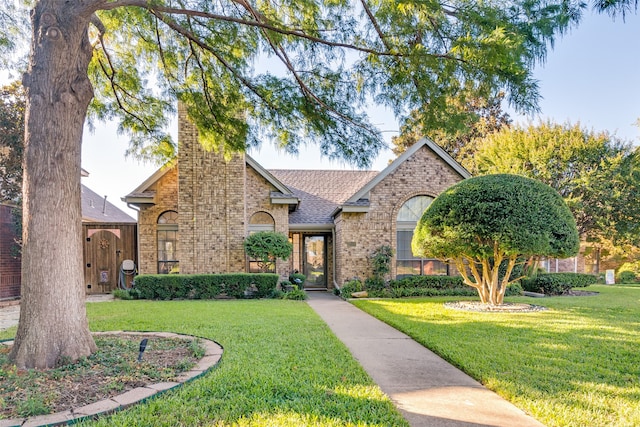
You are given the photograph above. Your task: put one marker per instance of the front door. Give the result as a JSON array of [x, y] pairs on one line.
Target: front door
[[314, 261]]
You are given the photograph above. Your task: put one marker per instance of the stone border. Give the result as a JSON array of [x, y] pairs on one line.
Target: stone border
[[212, 356]]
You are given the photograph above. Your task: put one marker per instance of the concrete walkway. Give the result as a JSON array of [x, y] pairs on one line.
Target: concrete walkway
[[10, 310], [427, 390]]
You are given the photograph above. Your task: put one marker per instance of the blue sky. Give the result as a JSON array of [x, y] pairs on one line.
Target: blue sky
[[591, 76]]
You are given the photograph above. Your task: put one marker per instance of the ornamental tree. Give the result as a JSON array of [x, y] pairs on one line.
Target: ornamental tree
[[266, 247], [482, 222], [130, 61]]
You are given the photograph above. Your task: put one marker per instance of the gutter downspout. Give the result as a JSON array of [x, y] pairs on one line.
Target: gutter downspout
[[333, 256], [130, 206]]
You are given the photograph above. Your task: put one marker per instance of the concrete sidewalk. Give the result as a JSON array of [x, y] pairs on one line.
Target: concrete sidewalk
[[427, 390], [10, 310]]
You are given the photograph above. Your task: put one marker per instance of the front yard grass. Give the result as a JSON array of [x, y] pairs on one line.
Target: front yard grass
[[281, 366], [575, 364]]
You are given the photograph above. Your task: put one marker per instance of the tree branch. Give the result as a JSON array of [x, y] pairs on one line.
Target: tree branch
[[299, 33]]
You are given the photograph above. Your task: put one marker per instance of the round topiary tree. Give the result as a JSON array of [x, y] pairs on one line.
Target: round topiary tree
[[483, 222], [266, 246]]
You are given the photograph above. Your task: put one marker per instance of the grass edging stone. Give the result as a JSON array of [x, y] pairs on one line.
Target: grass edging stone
[[212, 356]]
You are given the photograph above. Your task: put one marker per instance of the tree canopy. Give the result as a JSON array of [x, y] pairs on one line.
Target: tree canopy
[[596, 173], [482, 222], [246, 72], [478, 118]]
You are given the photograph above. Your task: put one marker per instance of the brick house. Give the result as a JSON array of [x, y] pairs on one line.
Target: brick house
[[195, 212], [9, 258]]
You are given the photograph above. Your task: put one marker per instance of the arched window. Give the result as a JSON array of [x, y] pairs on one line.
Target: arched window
[[261, 221], [407, 219], [168, 242]]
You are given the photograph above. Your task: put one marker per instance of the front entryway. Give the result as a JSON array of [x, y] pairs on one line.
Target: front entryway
[[314, 262]]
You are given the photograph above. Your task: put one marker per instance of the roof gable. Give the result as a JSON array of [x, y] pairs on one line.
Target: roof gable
[[362, 192]]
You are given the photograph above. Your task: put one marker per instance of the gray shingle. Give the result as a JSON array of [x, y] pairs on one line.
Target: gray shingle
[[96, 209], [321, 191]]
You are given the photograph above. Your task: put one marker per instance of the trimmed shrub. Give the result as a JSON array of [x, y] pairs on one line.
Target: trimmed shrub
[[513, 290], [432, 282], [557, 283], [626, 277], [350, 287], [205, 286]]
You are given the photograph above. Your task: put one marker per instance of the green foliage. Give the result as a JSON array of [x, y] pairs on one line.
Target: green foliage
[[12, 110], [557, 283], [350, 287], [295, 294], [381, 261], [429, 286], [204, 286], [630, 267], [595, 173], [122, 294], [429, 56], [482, 222], [433, 282], [626, 277], [298, 279], [266, 247], [474, 119]]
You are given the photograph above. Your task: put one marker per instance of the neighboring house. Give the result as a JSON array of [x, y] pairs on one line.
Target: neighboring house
[[109, 237], [9, 257], [195, 213]]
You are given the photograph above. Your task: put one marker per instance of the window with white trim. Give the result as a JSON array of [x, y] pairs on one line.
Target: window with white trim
[[168, 242]]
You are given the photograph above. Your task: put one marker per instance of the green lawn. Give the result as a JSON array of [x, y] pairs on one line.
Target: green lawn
[[281, 366], [576, 364]]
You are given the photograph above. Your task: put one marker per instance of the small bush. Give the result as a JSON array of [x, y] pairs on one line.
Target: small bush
[[633, 267], [374, 284], [122, 294], [626, 277], [350, 287], [557, 283], [513, 290], [295, 294], [297, 279]]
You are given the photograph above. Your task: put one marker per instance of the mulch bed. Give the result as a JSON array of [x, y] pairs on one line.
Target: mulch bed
[[113, 370]]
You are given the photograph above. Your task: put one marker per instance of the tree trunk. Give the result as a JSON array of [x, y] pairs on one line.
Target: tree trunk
[[53, 324]]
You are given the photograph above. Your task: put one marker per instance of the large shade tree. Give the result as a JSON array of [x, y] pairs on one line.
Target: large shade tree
[[596, 173], [476, 118], [130, 60], [485, 225]]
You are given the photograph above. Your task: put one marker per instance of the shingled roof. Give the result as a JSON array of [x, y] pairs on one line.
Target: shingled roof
[[320, 192], [96, 209]]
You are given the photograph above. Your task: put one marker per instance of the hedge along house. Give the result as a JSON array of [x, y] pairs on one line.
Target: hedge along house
[[195, 213]]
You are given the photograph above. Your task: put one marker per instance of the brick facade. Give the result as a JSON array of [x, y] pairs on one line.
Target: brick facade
[[359, 234], [9, 263], [166, 189]]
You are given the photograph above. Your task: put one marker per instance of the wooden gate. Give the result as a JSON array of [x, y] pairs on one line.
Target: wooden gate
[[106, 246]]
